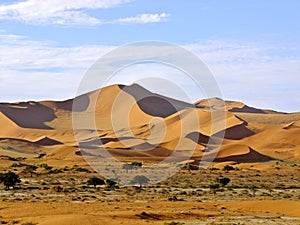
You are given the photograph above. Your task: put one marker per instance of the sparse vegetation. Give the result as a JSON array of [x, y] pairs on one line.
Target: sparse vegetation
[[95, 181], [131, 166], [80, 169], [9, 179], [30, 169], [223, 181], [140, 179], [197, 186], [172, 223], [18, 164], [228, 168]]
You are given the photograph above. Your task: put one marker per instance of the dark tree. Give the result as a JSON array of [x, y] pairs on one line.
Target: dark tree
[[140, 179], [136, 165], [223, 181], [131, 166], [95, 181], [127, 167], [9, 179], [30, 169], [228, 168]]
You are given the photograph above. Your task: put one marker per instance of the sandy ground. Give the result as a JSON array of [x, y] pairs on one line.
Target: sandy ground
[[245, 212]]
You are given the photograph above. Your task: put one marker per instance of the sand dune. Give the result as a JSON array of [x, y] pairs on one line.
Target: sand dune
[[132, 122]]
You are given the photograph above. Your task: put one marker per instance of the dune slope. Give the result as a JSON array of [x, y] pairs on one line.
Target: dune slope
[[133, 122]]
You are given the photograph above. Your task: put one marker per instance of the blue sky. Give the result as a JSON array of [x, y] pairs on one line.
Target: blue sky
[[252, 47]]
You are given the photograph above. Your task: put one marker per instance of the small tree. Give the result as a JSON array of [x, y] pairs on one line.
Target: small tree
[[127, 167], [9, 179], [228, 168], [136, 165], [30, 169], [140, 179], [223, 181], [131, 166], [95, 181]]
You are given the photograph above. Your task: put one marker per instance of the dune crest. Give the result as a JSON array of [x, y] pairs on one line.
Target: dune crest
[[133, 122]]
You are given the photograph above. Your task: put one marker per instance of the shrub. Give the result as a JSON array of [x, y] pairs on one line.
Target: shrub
[[45, 166], [56, 171], [41, 155], [190, 167], [80, 169], [136, 165], [172, 223], [30, 169], [131, 166], [214, 168], [140, 179], [18, 164], [228, 168], [223, 181], [95, 181]]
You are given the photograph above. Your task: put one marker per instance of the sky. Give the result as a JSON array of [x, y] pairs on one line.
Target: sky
[[252, 47]]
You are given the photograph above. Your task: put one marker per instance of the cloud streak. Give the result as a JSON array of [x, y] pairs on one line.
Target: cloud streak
[[144, 18], [255, 73], [75, 12]]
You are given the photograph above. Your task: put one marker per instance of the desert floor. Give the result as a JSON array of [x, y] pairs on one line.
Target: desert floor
[[258, 193]]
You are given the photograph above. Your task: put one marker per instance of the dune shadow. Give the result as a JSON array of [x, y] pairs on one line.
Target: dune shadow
[[251, 156], [154, 104], [29, 115]]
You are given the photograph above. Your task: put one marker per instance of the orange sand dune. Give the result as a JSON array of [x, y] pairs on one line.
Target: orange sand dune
[[132, 122]]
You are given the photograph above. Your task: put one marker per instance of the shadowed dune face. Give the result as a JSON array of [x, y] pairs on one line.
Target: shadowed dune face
[[47, 142], [156, 126], [154, 104], [238, 132], [251, 156], [198, 138], [29, 115], [247, 109]]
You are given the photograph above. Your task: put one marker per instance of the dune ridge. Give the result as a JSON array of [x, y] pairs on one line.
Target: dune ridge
[[132, 121]]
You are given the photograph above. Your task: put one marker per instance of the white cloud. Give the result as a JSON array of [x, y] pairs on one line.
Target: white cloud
[[254, 73], [19, 53], [70, 12], [56, 11], [145, 18]]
